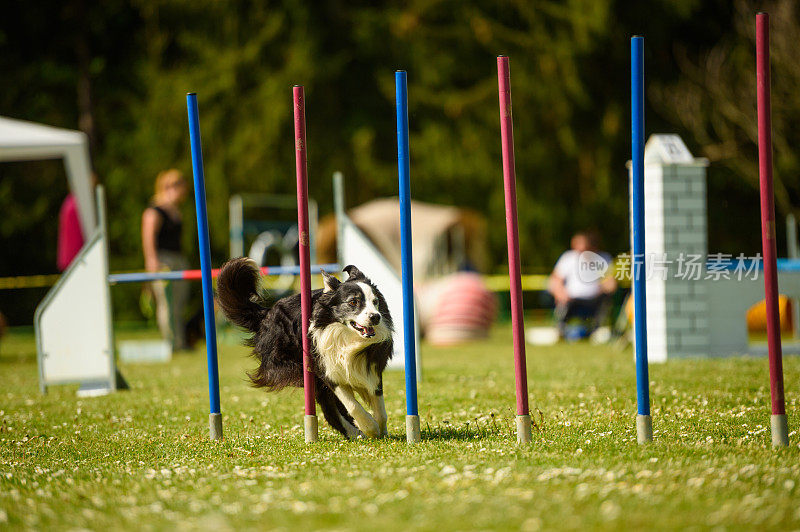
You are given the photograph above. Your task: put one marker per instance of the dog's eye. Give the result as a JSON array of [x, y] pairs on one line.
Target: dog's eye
[[353, 303]]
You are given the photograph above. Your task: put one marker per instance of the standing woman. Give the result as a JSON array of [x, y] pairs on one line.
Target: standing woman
[[162, 226]]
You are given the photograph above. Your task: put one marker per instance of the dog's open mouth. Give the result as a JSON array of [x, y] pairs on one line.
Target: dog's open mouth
[[366, 332]]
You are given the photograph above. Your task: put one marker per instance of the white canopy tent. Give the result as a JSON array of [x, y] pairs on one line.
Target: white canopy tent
[[28, 141]]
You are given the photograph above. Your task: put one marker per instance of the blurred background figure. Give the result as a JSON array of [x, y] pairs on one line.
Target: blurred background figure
[[581, 286], [70, 231], [70, 235], [162, 225]]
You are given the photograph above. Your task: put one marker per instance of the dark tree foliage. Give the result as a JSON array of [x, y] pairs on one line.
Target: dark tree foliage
[[120, 71], [715, 102]]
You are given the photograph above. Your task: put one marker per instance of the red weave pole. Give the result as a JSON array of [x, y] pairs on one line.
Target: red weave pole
[[305, 261], [768, 214], [512, 233]]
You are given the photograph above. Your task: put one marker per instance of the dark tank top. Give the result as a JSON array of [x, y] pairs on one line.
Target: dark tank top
[[169, 234]]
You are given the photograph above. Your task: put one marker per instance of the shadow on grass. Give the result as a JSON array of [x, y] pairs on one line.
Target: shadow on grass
[[467, 431]]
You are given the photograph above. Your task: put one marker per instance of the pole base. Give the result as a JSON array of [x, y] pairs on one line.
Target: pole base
[[412, 429], [644, 428], [215, 426], [311, 428], [780, 430], [524, 428]]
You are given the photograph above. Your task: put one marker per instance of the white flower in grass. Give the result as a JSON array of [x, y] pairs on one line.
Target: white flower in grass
[[371, 509], [532, 524], [610, 510], [300, 507], [447, 470]]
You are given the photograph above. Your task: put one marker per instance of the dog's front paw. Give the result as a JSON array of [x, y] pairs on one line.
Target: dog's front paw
[[381, 421], [353, 433], [371, 429]]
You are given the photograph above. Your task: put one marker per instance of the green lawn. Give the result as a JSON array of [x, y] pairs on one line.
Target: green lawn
[[141, 459]]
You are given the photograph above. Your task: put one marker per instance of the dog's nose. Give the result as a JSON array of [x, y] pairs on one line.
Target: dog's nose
[[374, 319]]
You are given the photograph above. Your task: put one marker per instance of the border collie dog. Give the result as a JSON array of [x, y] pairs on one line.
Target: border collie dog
[[351, 342]]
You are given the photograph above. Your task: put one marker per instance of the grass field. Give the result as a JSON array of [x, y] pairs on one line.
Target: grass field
[[141, 459]]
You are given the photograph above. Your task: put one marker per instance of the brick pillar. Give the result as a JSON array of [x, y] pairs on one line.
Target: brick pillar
[[675, 230]]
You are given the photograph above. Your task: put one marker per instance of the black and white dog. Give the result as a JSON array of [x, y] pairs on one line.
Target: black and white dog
[[351, 342]]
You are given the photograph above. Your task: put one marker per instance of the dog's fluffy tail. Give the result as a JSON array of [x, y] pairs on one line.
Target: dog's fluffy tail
[[237, 292]]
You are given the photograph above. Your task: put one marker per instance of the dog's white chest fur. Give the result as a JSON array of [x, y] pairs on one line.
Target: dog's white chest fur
[[339, 346]]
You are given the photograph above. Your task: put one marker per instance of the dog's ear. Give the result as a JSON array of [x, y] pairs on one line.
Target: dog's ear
[[353, 273], [330, 282]]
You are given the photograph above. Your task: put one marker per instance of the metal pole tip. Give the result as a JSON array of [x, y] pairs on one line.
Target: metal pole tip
[[524, 429], [215, 426], [780, 430], [311, 429], [413, 434], [644, 429]]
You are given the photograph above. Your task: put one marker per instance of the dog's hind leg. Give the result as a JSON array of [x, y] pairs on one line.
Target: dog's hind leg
[[363, 420], [332, 410]]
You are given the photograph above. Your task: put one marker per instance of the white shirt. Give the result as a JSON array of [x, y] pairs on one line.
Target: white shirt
[[582, 272]]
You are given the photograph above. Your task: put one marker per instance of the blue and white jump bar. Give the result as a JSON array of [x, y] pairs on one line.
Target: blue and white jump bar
[[404, 172], [784, 265], [194, 275], [644, 424]]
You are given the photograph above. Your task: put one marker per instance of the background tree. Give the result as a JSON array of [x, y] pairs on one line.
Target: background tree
[[120, 71], [714, 100]]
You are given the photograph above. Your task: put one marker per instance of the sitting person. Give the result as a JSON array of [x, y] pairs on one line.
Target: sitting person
[[581, 284]]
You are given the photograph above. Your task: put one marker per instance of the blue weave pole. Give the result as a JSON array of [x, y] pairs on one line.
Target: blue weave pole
[[644, 428], [215, 416], [404, 173]]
